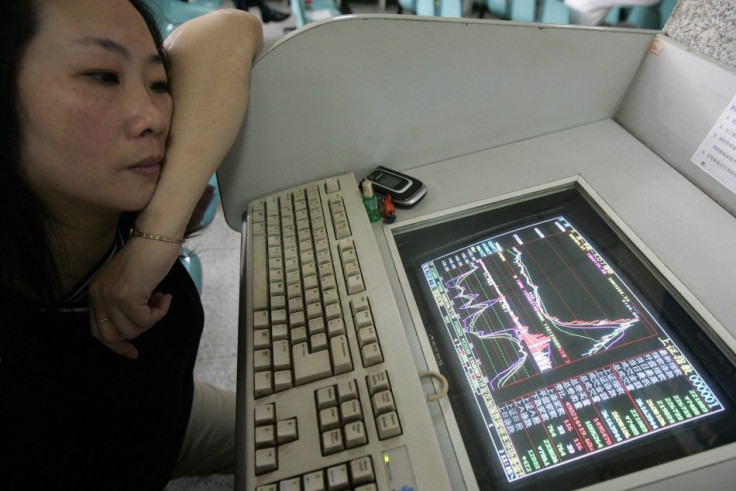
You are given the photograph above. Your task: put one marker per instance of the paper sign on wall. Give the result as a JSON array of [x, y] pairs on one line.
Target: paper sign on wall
[[717, 153]]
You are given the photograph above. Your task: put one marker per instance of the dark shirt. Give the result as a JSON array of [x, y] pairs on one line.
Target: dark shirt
[[75, 415]]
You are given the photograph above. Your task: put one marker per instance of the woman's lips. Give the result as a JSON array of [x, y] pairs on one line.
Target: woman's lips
[[148, 168]]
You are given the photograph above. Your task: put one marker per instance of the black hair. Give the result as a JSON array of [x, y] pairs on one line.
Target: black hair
[[26, 261]]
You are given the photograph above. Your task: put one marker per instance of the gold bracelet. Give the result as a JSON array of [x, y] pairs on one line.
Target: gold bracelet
[[162, 238]]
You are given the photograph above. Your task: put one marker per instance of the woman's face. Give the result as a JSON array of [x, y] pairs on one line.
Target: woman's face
[[94, 107]]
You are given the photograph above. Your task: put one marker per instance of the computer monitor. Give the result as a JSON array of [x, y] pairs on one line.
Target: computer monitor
[[570, 359]]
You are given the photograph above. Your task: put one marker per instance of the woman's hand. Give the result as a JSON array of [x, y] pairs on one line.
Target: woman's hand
[[123, 300]]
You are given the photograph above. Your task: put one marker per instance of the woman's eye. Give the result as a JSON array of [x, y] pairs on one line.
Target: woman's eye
[[105, 77], [161, 86]]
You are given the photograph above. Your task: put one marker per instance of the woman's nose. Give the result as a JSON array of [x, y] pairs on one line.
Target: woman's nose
[[150, 113]]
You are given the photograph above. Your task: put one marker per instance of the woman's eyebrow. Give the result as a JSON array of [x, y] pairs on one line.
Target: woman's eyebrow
[[114, 47]]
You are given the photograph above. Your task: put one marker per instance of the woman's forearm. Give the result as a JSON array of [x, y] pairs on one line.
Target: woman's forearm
[[209, 78]]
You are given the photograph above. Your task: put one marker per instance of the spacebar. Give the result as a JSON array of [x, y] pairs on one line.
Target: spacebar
[[258, 268], [310, 366]]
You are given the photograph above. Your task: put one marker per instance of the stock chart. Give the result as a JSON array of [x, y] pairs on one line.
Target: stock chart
[[562, 358]]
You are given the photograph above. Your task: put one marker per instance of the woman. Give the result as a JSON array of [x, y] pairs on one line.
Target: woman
[[92, 148]]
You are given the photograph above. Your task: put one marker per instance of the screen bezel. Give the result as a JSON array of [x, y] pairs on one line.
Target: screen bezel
[[714, 331]]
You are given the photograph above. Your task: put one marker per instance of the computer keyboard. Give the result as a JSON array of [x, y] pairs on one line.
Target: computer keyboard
[[332, 398]]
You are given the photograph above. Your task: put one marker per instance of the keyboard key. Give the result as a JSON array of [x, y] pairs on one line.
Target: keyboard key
[[294, 290], [286, 431], [355, 435], [332, 185], [299, 335], [311, 281], [314, 310], [278, 316], [265, 436], [337, 478], [296, 304], [309, 366], [350, 411], [361, 471], [262, 360], [312, 295], [366, 487], [367, 335], [342, 229], [371, 354], [330, 296], [265, 414], [266, 460], [328, 282], [274, 252], [383, 402], [293, 484], [281, 355], [291, 265], [268, 487], [276, 275], [314, 481], [359, 304], [282, 380], [262, 384], [332, 442], [326, 397], [388, 425], [377, 382], [277, 288], [261, 338], [351, 268], [294, 278], [347, 390], [321, 245], [261, 319], [333, 311], [297, 319], [278, 301], [355, 284], [279, 332], [318, 342], [348, 255], [363, 319], [316, 326], [340, 351], [275, 263], [335, 327], [325, 269], [329, 419]]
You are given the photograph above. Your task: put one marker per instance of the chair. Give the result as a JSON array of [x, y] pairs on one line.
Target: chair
[[450, 8], [172, 13], [665, 10], [499, 8], [304, 15], [408, 5], [191, 262], [439, 8], [613, 17], [523, 10], [643, 17], [554, 12]]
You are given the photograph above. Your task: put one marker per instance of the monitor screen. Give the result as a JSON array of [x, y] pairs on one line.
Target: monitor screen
[[569, 360]]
